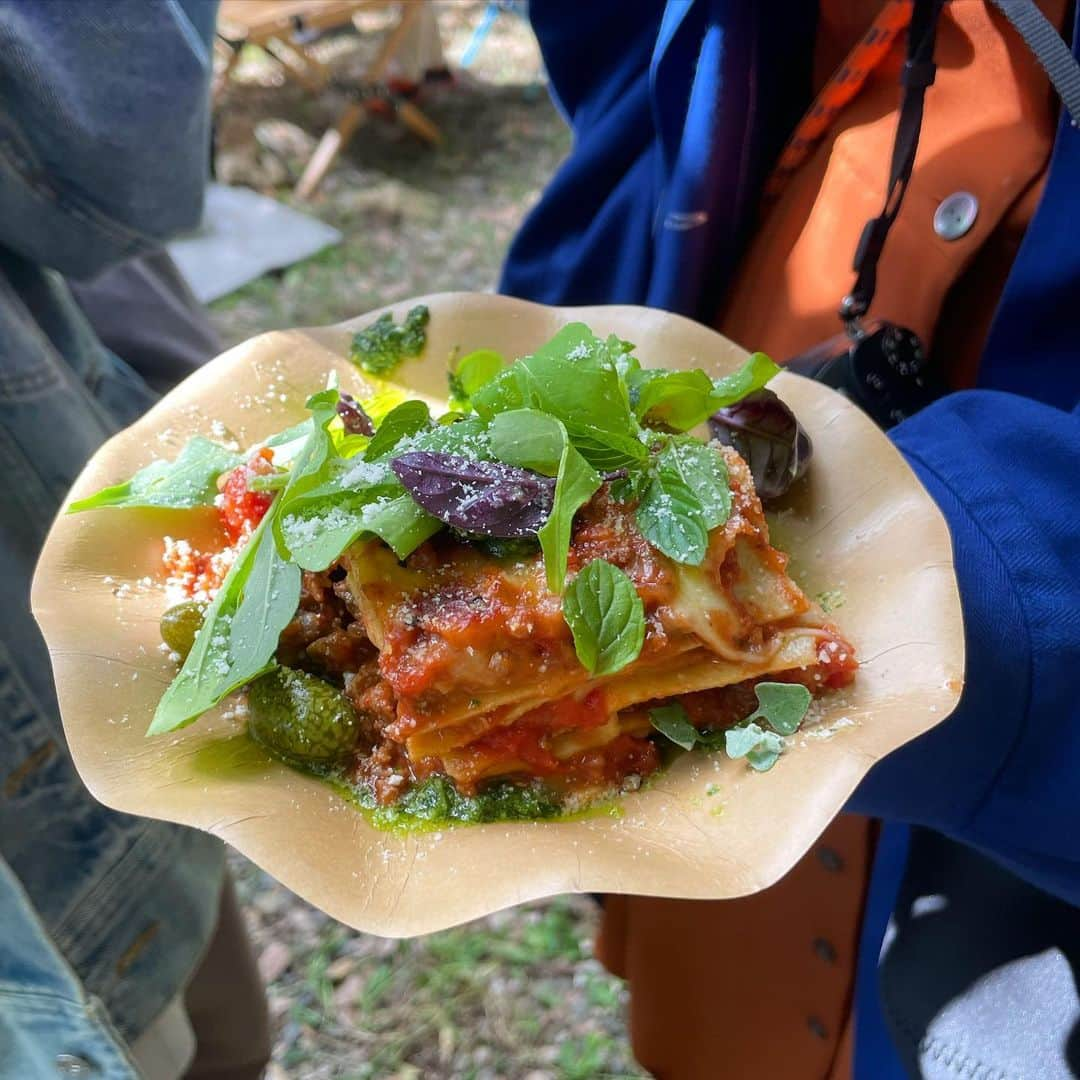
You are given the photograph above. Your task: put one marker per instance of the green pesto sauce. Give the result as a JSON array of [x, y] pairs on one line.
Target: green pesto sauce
[[380, 347], [430, 806], [435, 804]]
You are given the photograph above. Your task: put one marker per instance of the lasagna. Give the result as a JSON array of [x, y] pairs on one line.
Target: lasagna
[[458, 660], [539, 591]]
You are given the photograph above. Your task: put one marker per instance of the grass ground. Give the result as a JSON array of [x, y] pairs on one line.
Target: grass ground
[[517, 995]]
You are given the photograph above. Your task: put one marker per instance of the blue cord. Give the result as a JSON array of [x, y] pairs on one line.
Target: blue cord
[[491, 13]]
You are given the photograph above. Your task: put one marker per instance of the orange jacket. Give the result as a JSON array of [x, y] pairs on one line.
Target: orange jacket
[[762, 987]]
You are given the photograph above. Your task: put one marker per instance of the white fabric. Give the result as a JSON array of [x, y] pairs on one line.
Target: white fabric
[[166, 1049], [243, 235]]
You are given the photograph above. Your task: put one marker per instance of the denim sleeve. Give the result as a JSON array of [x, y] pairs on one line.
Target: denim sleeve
[[104, 127], [1000, 773]]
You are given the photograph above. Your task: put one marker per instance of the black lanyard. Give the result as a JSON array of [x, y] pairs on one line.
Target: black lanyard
[[880, 366], [918, 74]]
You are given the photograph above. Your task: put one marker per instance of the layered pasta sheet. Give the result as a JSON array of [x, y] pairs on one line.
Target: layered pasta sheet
[[482, 665]]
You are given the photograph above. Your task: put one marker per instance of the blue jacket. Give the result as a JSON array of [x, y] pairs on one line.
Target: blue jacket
[[103, 153], [677, 111]]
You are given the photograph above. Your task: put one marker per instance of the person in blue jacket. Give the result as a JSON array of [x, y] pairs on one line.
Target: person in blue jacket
[[969, 943]]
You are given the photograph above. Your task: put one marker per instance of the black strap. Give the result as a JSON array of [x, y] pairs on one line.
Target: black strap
[[1052, 54], [1048, 48], [918, 74]]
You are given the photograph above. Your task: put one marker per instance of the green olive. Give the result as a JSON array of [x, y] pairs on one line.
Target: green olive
[[180, 624], [300, 717]]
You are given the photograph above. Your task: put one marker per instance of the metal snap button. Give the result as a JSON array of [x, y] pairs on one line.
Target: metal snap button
[[70, 1065], [830, 859], [955, 215], [825, 950]]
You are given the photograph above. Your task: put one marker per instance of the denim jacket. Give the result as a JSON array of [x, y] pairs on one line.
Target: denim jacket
[[103, 150]]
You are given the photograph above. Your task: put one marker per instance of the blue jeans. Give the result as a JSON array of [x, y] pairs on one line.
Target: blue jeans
[[103, 151]]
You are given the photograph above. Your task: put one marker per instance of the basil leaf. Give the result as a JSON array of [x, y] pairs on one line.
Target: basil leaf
[[753, 375], [531, 439], [673, 723], [488, 498], [703, 471], [406, 419], [768, 437], [672, 519], [354, 420], [538, 441], [606, 617], [190, 480], [473, 372], [239, 635], [576, 483], [679, 400], [782, 706]]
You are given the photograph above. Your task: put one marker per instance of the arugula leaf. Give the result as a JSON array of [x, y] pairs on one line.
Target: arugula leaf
[[753, 375], [239, 635], [671, 517], [379, 406], [577, 482], [467, 437], [190, 480], [679, 400], [606, 617], [673, 723], [401, 523], [781, 705], [531, 439], [309, 463], [573, 378], [269, 599], [704, 472], [317, 530], [317, 448], [473, 372], [295, 434], [537, 441], [406, 419], [347, 499]]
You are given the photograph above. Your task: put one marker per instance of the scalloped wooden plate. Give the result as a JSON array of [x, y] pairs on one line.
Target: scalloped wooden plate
[[859, 526]]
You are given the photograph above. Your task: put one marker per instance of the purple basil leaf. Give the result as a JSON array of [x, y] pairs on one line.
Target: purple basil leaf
[[483, 497], [768, 438], [357, 422]]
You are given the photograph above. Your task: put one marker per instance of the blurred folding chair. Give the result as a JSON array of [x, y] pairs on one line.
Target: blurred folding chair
[[285, 29]]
